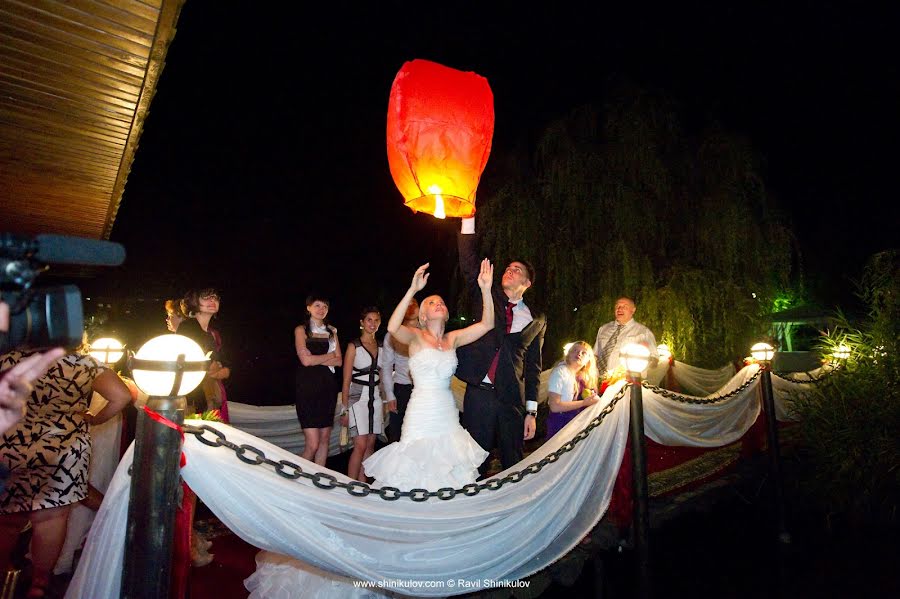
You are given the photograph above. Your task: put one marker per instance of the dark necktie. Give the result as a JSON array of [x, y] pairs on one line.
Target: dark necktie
[[492, 371], [608, 348]]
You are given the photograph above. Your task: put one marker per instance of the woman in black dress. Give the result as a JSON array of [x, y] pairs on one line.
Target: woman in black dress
[[319, 353], [201, 307]]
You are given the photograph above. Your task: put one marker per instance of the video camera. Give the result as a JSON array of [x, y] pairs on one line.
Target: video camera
[[48, 316]]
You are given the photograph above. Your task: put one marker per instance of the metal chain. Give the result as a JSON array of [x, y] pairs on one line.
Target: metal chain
[[812, 379], [251, 455], [697, 400]]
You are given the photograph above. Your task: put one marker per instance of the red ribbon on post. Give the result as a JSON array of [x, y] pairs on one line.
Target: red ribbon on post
[[166, 422]]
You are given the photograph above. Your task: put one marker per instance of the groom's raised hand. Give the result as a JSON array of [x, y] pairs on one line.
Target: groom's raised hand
[[486, 276]]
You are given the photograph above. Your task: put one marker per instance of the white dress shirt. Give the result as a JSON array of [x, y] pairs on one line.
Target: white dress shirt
[[394, 369], [521, 318], [632, 332]]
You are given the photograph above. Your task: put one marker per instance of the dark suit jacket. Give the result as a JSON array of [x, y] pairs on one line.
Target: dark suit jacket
[[519, 366]]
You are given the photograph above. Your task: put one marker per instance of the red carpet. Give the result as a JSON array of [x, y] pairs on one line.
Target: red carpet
[[233, 562]]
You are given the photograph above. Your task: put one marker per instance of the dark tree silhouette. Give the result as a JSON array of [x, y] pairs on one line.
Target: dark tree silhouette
[[624, 199]]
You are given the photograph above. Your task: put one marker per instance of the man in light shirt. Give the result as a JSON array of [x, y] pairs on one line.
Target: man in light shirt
[[615, 335]]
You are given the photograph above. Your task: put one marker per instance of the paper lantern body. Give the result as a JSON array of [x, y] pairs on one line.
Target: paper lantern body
[[439, 129]]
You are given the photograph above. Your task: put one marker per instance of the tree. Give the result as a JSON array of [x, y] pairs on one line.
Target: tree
[[623, 200]]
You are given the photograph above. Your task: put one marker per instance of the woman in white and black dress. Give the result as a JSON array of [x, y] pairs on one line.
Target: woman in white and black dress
[[361, 394]]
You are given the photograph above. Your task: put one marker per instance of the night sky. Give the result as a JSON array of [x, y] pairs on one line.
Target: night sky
[[266, 109]]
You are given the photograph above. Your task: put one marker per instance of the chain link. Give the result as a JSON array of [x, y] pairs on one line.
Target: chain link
[[698, 400], [251, 455], [812, 379]]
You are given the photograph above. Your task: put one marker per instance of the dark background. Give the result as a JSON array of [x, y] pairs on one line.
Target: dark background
[[262, 168]]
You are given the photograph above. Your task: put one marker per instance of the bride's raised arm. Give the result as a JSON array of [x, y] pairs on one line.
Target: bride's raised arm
[[477, 330], [396, 328]]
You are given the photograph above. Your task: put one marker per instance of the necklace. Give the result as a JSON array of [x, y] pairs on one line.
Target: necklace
[[437, 340]]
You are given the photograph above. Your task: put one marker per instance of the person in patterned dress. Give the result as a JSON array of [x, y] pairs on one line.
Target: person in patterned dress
[[48, 453]]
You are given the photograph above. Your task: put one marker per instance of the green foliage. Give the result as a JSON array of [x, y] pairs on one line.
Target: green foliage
[[621, 201], [783, 300], [850, 422]]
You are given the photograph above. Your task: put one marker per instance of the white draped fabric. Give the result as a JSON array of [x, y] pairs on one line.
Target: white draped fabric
[[676, 423], [279, 425], [783, 389], [506, 534], [701, 382]]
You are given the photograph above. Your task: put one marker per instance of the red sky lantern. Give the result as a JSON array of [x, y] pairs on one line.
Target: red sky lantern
[[439, 129]]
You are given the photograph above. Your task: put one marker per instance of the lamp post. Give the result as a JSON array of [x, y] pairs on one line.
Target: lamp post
[[763, 354], [166, 368], [636, 358]]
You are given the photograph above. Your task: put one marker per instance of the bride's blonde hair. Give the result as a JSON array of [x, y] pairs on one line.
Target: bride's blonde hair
[[422, 311]]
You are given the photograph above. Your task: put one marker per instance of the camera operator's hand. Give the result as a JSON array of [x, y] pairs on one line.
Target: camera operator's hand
[[15, 385]]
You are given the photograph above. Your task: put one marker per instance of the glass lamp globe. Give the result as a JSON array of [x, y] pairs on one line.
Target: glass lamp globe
[[635, 357], [762, 352], [107, 350], [156, 365]]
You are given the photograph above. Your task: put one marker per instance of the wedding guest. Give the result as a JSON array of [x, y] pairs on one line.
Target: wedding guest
[[616, 334], [16, 383], [201, 307], [361, 392], [48, 455], [395, 377], [174, 315], [572, 386], [318, 351]]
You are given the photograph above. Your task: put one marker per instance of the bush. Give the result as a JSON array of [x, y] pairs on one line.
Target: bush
[[851, 422]]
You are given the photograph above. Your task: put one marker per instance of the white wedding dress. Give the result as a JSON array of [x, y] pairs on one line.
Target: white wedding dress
[[434, 451]]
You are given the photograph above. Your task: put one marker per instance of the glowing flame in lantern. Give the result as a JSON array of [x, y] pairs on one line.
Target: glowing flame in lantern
[[438, 202]]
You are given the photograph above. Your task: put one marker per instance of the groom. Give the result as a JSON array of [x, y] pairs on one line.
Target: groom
[[502, 370]]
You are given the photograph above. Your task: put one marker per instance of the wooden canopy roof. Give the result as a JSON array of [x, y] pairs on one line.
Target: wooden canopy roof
[[76, 81]]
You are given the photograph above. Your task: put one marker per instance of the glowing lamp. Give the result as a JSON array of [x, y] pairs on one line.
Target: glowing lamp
[[664, 352], [107, 350], [762, 352], [842, 352], [169, 366], [635, 357], [440, 124]]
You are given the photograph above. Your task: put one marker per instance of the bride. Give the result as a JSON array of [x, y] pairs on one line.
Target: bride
[[434, 451]]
